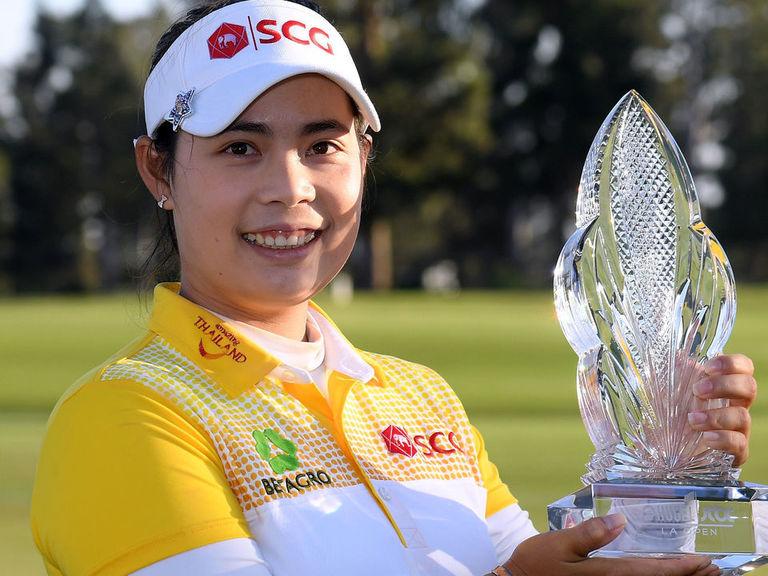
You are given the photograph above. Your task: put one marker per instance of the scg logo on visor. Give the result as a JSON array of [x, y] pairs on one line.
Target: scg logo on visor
[[229, 39]]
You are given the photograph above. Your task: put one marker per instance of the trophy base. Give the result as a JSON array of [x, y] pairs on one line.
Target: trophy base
[[676, 517]]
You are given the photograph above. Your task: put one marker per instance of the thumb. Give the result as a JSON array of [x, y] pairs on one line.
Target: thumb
[[595, 533]]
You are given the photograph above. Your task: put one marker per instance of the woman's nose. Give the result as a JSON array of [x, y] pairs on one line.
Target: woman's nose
[[287, 181]]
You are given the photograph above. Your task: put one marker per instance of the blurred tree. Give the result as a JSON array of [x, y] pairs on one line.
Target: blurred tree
[[421, 61], [558, 67], [488, 107], [709, 63], [740, 221], [6, 223], [69, 143]]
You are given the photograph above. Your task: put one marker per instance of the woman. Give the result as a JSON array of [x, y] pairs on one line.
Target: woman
[[243, 434]]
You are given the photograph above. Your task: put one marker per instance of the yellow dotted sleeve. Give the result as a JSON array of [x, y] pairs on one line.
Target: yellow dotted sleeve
[[124, 481], [499, 495]]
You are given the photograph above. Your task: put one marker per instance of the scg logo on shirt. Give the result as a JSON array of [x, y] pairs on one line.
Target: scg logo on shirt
[[398, 441]]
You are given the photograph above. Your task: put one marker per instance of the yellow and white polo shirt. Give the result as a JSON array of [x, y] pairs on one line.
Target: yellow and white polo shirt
[[193, 435]]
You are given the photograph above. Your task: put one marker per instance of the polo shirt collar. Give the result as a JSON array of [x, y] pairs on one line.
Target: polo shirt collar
[[343, 350], [222, 352], [340, 355], [208, 341]]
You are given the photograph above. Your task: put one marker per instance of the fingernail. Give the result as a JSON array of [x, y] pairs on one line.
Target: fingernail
[[714, 365], [709, 437], [613, 521], [703, 387], [696, 418]]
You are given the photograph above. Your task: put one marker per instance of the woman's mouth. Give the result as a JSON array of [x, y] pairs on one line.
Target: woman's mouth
[[279, 240]]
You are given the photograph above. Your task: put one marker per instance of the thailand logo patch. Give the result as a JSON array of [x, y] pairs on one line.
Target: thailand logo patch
[[398, 441], [226, 41]]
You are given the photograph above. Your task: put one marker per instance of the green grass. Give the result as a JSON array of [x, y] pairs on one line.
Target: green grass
[[20, 437], [502, 351], [47, 343]]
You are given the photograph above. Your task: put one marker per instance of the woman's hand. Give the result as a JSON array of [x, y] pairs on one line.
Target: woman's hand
[[728, 376], [565, 552]]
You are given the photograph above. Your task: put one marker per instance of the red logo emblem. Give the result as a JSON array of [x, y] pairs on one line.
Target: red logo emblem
[[227, 41], [205, 354], [398, 441]]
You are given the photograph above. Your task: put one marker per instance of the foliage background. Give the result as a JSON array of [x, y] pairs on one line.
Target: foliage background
[[488, 106]]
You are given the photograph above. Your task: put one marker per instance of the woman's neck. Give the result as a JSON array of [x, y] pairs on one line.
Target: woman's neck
[[287, 321]]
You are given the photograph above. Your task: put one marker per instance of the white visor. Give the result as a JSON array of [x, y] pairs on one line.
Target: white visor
[[223, 62]]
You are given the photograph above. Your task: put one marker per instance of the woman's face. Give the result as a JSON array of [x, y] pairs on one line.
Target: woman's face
[[267, 212]]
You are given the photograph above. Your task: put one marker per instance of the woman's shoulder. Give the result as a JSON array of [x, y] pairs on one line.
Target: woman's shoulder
[[110, 442], [123, 357], [393, 366], [132, 375]]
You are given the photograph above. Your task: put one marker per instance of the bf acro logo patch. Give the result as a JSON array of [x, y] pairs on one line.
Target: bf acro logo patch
[[282, 462]]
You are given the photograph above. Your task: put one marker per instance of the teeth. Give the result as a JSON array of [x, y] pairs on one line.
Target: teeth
[[279, 242]]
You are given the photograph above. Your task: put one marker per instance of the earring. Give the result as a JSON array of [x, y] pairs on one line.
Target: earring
[[162, 201]]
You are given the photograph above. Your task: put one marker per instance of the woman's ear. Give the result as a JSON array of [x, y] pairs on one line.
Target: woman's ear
[[366, 145], [152, 168]]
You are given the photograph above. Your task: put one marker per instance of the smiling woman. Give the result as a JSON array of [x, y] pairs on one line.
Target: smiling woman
[[266, 212], [243, 433]]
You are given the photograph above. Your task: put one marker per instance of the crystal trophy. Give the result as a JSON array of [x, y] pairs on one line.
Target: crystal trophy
[[645, 296]]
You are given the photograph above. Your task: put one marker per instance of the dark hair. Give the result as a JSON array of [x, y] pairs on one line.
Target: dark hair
[[162, 262]]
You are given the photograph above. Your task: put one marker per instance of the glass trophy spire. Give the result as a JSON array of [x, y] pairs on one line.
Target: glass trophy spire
[[645, 296]]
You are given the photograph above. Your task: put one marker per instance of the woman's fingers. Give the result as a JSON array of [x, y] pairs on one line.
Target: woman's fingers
[[562, 551], [739, 388], [728, 377], [733, 418], [729, 364], [566, 552], [594, 534], [731, 442], [725, 429], [688, 566]]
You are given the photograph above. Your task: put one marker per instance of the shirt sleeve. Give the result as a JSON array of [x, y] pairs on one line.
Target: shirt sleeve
[[507, 528], [236, 557], [124, 481], [499, 496], [508, 523]]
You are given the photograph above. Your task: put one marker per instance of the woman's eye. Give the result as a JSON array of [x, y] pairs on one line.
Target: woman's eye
[[239, 149], [322, 148]]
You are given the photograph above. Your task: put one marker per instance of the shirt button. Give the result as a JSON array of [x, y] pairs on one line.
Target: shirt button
[[384, 493]]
